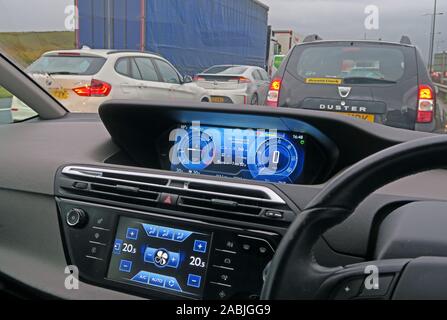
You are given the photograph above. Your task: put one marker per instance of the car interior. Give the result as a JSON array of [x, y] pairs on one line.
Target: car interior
[[101, 197]]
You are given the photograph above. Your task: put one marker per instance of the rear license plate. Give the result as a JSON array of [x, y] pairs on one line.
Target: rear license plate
[[218, 99], [361, 116], [60, 94]]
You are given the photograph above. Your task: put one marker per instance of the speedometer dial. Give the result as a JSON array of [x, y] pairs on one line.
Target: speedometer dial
[[277, 160], [196, 154]]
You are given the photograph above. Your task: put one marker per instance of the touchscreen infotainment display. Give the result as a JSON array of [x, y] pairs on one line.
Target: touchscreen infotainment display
[[159, 257]]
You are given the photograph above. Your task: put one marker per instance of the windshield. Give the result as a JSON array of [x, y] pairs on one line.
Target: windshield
[[382, 64], [225, 70], [73, 65], [355, 65]]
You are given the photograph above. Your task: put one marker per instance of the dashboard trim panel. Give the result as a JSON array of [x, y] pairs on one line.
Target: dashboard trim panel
[[97, 271], [84, 172]]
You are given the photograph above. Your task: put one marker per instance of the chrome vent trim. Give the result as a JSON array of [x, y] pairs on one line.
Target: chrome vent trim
[[172, 183]]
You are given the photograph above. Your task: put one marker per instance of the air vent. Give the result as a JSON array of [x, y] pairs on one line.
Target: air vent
[[198, 196]]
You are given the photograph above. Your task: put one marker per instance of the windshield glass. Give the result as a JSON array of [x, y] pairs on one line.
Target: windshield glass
[[225, 70], [383, 64], [357, 65], [62, 64]]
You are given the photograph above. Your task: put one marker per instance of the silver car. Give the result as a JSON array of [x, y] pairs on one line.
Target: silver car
[[235, 84]]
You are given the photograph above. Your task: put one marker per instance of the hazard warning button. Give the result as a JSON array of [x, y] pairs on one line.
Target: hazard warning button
[[168, 199]]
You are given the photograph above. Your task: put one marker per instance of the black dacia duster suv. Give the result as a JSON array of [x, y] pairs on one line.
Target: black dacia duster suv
[[377, 81]]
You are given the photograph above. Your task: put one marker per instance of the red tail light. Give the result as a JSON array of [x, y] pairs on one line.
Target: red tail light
[[273, 96], [240, 80], [198, 78], [244, 80], [426, 104], [96, 88]]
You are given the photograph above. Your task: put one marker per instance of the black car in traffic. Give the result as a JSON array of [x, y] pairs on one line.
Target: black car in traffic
[[376, 81]]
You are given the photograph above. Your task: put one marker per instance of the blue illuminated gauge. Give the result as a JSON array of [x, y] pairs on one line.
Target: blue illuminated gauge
[[277, 160], [195, 155]]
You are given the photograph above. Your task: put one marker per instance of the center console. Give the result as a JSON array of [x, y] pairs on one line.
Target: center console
[[148, 249]]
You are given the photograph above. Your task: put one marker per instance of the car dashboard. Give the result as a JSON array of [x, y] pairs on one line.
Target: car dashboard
[[164, 201]]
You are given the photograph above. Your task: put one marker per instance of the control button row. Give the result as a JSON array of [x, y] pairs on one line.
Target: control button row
[[245, 244], [255, 245], [165, 233], [98, 243], [157, 280]]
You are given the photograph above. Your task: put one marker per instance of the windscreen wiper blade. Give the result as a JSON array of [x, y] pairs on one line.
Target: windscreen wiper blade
[[61, 73]]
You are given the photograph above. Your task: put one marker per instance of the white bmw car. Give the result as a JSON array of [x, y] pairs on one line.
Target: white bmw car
[[83, 79]]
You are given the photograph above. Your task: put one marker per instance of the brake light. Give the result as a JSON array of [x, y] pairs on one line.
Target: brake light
[[426, 104], [244, 80], [198, 78], [273, 95], [97, 88]]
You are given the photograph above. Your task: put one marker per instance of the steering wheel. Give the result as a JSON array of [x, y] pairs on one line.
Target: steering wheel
[[295, 274]]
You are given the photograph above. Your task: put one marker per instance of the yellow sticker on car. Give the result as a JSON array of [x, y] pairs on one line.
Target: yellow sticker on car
[[332, 81]]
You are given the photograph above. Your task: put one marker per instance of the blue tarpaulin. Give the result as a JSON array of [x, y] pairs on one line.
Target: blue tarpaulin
[[192, 34]]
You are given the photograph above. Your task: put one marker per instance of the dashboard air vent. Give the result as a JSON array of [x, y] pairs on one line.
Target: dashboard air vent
[[192, 195]]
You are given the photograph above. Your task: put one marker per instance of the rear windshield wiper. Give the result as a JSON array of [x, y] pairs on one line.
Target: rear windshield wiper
[[367, 80], [53, 73], [61, 73]]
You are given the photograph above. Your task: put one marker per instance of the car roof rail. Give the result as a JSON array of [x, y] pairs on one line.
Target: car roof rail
[[312, 37], [405, 40]]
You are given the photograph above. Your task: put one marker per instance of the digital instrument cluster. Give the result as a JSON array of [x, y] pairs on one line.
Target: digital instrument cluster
[[263, 155]]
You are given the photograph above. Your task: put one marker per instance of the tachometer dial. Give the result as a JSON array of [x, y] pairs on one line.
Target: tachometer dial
[[277, 160]]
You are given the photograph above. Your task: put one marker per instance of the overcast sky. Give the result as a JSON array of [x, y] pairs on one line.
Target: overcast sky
[[32, 15], [331, 19], [344, 19]]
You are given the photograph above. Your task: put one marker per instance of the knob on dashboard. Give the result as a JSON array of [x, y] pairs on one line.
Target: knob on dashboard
[[76, 218]]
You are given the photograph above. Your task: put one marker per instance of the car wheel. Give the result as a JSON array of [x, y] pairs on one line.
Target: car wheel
[[254, 100], [205, 100]]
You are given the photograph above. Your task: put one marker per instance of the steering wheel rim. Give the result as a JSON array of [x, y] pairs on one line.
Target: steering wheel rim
[[293, 272]]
